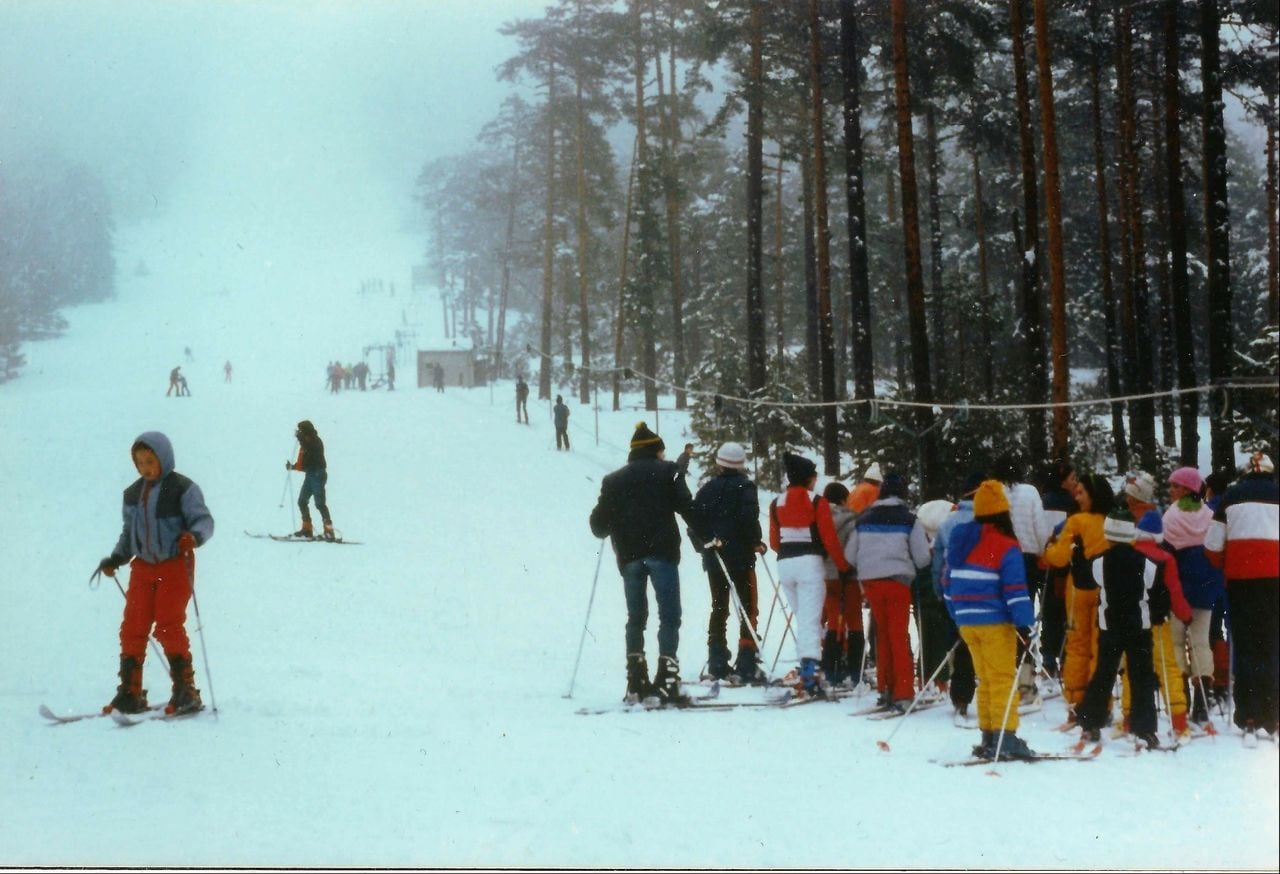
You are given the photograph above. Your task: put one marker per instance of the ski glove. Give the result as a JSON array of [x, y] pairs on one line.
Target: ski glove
[[186, 543], [108, 566]]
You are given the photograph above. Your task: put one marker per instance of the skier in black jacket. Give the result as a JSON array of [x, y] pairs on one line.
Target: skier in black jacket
[[637, 508], [728, 511]]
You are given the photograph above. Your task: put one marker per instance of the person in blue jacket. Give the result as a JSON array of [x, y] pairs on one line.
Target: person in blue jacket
[[165, 520]]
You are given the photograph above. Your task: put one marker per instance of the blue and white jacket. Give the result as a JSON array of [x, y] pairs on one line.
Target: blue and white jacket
[[888, 543], [985, 581], [156, 513]]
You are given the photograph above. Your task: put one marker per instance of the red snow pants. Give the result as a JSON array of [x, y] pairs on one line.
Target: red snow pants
[[158, 595], [890, 603]]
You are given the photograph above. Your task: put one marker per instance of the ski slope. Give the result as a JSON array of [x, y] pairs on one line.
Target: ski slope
[[402, 702]]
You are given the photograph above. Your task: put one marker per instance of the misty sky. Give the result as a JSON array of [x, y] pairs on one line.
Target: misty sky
[[266, 109]]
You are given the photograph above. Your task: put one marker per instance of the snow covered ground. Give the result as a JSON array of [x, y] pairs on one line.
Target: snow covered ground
[[402, 703]]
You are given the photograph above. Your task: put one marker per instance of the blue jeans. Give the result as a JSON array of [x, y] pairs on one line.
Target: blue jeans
[[665, 576], [313, 487]]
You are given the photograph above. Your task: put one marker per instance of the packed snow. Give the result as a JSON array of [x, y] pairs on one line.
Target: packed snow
[[404, 702]]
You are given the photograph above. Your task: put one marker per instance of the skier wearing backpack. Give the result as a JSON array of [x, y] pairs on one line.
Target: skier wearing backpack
[[727, 509], [165, 521], [312, 463], [637, 508], [985, 589], [800, 532]]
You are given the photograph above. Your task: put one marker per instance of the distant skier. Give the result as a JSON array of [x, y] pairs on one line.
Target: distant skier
[[175, 387], [437, 375], [226, 370], [311, 461], [391, 373], [522, 399], [361, 372], [562, 423], [334, 372], [165, 520], [187, 351]]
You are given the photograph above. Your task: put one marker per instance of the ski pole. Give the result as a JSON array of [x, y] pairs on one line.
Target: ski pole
[[777, 599], [288, 475], [155, 644], [190, 560], [743, 618], [884, 744], [1164, 685], [1007, 706], [583, 639]]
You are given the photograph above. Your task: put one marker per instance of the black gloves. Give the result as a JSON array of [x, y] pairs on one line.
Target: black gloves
[[108, 566]]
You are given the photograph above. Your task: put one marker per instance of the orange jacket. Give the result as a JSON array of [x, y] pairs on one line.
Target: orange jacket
[[863, 495], [1089, 527]]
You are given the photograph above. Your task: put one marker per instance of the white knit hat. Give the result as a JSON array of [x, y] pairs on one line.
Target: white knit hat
[[1141, 487], [1259, 462], [732, 456], [873, 473]]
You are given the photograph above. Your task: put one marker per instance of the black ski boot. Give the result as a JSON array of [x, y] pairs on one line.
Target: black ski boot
[[638, 687], [748, 670], [185, 697], [831, 658], [718, 667], [130, 696], [987, 748], [1013, 747], [855, 643], [666, 685]]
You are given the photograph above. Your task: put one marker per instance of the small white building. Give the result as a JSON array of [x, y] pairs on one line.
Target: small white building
[[459, 365]]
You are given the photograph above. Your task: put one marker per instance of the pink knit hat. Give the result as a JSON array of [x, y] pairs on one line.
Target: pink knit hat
[[1188, 478]]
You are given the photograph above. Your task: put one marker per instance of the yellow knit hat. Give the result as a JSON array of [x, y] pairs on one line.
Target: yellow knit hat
[[990, 499]]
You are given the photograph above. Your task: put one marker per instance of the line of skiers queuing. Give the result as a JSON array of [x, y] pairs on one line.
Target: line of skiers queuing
[[1073, 578], [165, 521], [354, 376]]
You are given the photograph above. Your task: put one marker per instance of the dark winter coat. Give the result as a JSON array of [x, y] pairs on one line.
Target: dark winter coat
[[156, 513], [727, 507], [562, 415], [310, 454], [638, 506], [1134, 596]]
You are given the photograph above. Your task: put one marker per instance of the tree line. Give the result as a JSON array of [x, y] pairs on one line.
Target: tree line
[[56, 249], [924, 200]]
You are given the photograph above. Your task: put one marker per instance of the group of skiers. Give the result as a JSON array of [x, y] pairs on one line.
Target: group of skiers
[[165, 521], [351, 376], [1069, 581]]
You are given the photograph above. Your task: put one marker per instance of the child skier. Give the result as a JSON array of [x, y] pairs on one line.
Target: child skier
[[165, 520], [1133, 598], [844, 642], [985, 588], [311, 462]]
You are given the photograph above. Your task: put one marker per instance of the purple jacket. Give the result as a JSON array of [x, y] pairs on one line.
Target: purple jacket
[[155, 514]]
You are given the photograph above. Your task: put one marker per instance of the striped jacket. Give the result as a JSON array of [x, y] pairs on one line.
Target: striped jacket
[[1133, 596], [1243, 538], [985, 580], [800, 524], [888, 543]]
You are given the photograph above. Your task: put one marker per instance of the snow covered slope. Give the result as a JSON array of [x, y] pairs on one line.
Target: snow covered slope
[[402, 702]]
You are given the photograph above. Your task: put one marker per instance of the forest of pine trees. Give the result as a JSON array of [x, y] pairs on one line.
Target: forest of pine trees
[[934, 201], [56, 245]]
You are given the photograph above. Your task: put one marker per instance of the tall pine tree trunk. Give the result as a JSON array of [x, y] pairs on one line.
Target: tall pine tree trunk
[[986, 304], [757, 371], [1136, 309], [620, 321], [1179, 286], [646, 226], [549, 243], [937, 294], [671, 196], [911, 243], [826, 344], [1217, 225], [584, 315], [1273, 214], [779, 281], [859, 274], [507, 247], [1032, 304], [1053, 222], [813, 357]]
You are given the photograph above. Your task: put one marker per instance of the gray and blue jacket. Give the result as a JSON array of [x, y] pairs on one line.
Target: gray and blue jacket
[[156, 513], [888, 543]]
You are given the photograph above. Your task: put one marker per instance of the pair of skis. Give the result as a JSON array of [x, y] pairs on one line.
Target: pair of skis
[[289, 538], [153, 713]]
